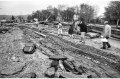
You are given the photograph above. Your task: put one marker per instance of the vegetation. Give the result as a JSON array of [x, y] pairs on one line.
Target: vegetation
[[65, 13], [112, 13]]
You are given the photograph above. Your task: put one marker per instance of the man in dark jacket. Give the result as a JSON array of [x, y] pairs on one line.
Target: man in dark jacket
[[83, 30]]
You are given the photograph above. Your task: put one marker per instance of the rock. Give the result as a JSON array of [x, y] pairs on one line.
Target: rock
[[82, 68], [29, 75], [61, 65], [54, 63], [92, 35], [57, 57], [14, 68], [78, 70], [29, 48], [90, 76], [50, 72], [71, 75], [68, 65]]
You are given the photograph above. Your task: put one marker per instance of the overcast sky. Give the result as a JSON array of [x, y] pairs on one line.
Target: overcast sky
[[17, 7]]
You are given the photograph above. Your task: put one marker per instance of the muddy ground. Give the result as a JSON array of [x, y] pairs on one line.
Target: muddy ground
[[14, 63]]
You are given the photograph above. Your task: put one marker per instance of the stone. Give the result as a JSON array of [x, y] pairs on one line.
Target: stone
[[92, 35], [71, 75], [13, 68], [29, 75], [57, 57], [29, 49], [68, 65], [50, 72]]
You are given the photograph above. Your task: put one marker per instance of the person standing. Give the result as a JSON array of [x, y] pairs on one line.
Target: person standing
[[76, 27], [83, 30], [59, 28], [71, 29], [106, 35], [36, 22]]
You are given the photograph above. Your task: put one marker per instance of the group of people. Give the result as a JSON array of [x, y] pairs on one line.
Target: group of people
[[76, 27], [80, 27]]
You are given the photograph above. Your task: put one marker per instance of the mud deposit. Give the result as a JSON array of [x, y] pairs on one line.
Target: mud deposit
[[15, 64]]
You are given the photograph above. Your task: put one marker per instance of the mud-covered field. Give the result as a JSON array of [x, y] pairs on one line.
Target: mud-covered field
[[14, 63]]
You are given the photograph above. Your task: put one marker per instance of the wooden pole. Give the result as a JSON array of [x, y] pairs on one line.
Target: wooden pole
[[117, 23]]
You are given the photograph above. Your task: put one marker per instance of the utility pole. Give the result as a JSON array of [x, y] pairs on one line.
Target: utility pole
[[0, 21]]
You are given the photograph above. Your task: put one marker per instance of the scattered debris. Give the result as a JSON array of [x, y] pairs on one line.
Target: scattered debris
[[34, 54], [92, 35]]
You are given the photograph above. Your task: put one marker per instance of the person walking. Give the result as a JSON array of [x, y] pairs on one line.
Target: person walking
[[83, 30], [106, 35]]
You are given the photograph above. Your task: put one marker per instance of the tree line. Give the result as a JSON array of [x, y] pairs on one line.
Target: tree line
[[112, 12], [64, 13], [88, 12]]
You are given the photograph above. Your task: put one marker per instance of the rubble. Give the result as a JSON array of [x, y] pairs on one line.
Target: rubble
[[53, 57]]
